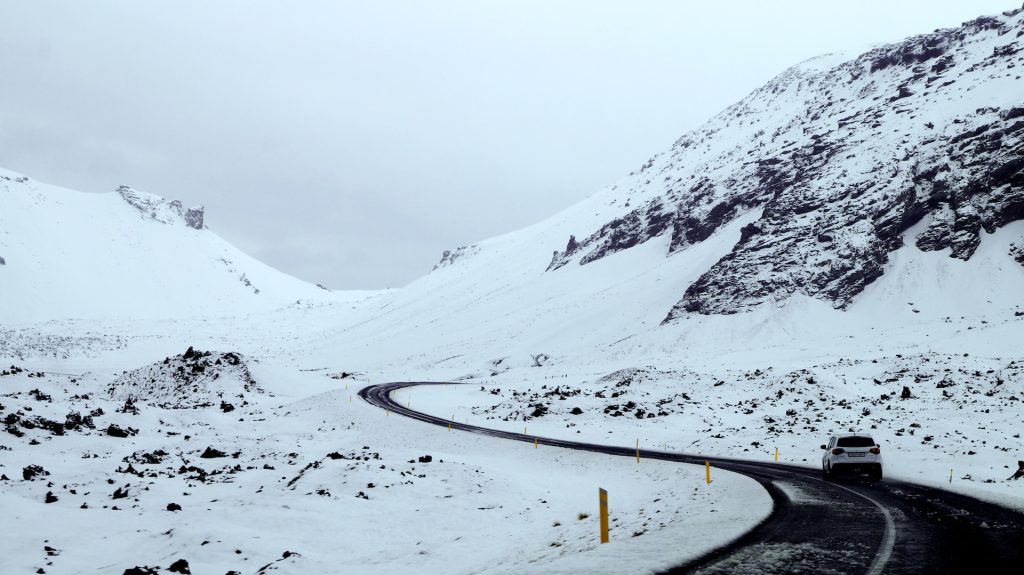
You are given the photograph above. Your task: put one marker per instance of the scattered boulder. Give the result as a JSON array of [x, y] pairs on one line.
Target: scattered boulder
[[1020, 471], [173, 507], [50, 498], [120, 493], [141, 571], [32, 471], [905, 394], [39, 396], [116, 431], [425, 459], [74, 420], [180, 566], [576, 411]]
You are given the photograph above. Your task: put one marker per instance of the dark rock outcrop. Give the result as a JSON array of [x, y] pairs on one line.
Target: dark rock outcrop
[[194, 217]]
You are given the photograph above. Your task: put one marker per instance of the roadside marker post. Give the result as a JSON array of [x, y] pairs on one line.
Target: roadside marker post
[[776, 455], [535, 443], [951, 476], [450, 424], [707, 472], [602, 499], [638, 451]]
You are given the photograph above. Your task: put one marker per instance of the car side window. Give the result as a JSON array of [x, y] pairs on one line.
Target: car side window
[[831, 443]]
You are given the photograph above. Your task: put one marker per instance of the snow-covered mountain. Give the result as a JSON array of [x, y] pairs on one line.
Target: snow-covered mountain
[[851, 193], [839, 157], [128, 254]]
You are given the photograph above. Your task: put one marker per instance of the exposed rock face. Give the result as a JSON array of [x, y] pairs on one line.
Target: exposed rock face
[[840, 157], [449, 257], [1017, 253], [194, 217], [158, 209]]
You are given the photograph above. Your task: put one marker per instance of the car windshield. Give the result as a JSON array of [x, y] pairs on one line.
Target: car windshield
[[856, 442]]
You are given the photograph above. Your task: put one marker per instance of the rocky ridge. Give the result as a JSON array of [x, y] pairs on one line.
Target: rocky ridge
[[158, 209], [841, 157]]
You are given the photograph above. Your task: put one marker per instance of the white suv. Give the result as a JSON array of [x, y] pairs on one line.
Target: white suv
[[851, 454]]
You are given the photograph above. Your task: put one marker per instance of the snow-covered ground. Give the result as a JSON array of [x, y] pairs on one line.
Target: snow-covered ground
[[305, 477]]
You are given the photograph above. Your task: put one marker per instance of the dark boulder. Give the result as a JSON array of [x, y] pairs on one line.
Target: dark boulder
[[212, 453], [32, 471]]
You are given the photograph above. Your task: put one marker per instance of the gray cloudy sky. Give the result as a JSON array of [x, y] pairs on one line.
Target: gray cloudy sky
[[349, 143]]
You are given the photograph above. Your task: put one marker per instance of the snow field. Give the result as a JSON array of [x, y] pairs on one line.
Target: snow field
[[480, 505]]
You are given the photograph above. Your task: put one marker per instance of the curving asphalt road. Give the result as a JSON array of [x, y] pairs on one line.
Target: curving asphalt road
[[820, 527]]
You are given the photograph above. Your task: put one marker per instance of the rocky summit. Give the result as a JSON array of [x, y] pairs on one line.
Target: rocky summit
[[838, 159]]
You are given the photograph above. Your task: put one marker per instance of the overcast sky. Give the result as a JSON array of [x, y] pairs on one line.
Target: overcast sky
[[350, 143]]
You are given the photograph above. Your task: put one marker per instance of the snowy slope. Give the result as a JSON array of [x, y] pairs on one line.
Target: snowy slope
[[841, 155], [129, 254]]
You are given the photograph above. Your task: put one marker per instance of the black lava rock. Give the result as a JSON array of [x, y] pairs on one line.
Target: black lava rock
[[1020, 471], [173, 507], [180, 566], [116, 431], [212, 453], [425, 459], [32, 471]]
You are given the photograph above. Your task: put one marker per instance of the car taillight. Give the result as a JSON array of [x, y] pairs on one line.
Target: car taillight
[[875, 450], [837, 451]]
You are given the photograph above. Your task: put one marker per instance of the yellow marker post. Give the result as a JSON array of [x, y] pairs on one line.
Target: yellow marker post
[[602, 498], [350, 398], [707, 472], [776, 455], [535, 443], [450, 424], [638, 451]]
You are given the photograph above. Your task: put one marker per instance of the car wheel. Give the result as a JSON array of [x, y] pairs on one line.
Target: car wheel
[[826, 474], [876, 475]]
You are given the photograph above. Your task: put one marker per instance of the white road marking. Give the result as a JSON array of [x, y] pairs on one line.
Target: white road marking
[[888, 539]]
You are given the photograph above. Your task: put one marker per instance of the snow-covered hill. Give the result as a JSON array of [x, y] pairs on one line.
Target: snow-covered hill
[[839, 157], [128, 254]]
